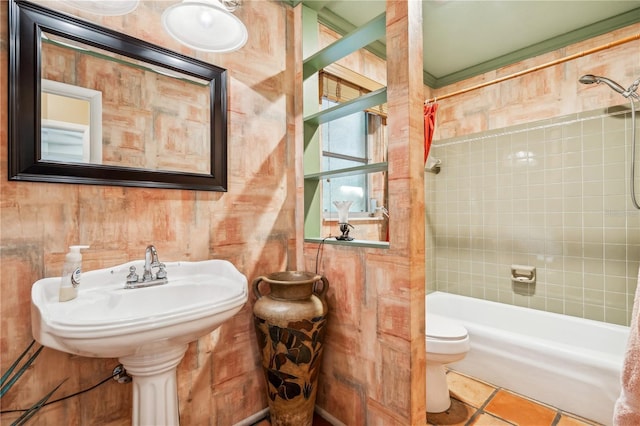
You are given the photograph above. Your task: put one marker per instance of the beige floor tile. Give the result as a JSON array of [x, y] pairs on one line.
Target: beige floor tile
[[466, 389], [519, 410], [485, 419]]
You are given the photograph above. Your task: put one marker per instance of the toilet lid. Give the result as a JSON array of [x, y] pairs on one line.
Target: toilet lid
[[442, 328]]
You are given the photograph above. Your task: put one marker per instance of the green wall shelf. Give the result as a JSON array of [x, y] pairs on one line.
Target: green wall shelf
[[350, 171], [371, 99], [358, 38]]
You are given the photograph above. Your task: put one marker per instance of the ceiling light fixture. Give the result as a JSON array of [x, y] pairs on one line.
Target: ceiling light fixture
[[206, 25], [105, 7]]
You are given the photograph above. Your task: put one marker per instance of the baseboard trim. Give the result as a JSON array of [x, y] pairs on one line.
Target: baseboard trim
[[253, 418], [328, 417], [263, 413]]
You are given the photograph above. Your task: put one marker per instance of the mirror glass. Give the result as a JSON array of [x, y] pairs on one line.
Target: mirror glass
[[91, 105], [157, 118]]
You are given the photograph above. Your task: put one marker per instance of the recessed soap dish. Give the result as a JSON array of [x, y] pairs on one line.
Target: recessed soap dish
[[524, 274]]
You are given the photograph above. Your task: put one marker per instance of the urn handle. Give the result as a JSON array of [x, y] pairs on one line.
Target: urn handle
[[323, 290], [256, 285]]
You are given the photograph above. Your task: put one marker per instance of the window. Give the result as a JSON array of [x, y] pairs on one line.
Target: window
[[63, 141], [355, 140], [344, 145]]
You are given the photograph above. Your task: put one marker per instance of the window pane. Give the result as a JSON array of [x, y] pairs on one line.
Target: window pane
[[348, 188], [346, 135], [331, 163]]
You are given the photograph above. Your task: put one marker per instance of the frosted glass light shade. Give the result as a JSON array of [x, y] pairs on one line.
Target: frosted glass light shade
[[105, 7], [205, 25], [343, 210]]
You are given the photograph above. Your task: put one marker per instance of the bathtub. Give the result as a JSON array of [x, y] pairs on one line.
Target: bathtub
[[570, 363]]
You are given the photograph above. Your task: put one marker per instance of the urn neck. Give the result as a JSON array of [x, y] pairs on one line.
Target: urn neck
[[292, 285]]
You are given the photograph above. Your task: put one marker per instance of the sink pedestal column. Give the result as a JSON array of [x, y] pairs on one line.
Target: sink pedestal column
[[155, 391]]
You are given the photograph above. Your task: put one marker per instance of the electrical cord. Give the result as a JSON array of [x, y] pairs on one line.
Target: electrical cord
[[17, 410], [320, 247]]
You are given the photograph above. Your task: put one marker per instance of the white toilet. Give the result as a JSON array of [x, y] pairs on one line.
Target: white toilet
[[447, 342]]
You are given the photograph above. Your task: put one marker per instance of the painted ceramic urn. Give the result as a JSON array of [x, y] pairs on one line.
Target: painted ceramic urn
[[290, 322]]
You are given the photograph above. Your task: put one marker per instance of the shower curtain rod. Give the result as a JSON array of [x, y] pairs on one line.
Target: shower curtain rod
[[537, 68]]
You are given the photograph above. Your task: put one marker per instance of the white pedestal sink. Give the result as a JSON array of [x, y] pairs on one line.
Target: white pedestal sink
[[147, 329]]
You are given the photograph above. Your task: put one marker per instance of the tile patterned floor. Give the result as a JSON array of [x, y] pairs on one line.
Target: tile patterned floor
[[480, 404]]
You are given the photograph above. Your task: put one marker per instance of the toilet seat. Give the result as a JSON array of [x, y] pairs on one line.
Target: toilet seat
[[441, 328], [445, 337]]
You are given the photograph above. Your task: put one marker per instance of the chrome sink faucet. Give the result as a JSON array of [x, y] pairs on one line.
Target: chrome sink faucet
[[148, 278], [150, 261]]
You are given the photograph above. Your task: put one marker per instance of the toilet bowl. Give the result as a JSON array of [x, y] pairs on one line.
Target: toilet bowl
[[447, 342]]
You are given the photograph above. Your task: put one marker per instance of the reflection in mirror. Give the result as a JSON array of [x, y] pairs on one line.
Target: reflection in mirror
[[90, 105], [158, 118], [71, 123]]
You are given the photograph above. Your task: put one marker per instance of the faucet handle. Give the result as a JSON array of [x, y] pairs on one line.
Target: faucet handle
[[162, 272], [133, 276]]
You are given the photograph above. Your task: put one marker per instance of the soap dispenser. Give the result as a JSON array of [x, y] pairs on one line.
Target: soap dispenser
[[71, 273]]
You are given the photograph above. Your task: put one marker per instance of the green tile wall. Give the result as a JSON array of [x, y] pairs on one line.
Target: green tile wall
[[552, 194]]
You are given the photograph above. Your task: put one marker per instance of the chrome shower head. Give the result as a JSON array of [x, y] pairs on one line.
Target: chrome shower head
[[590, 79]]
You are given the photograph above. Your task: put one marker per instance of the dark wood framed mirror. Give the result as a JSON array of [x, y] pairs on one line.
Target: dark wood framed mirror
[[176, 140]]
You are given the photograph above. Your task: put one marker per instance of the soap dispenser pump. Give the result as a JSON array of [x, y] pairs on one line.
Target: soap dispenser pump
[[71, 273]]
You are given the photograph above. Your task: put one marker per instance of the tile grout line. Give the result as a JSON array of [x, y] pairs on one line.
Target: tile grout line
[[558, 414], [481, 411]]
